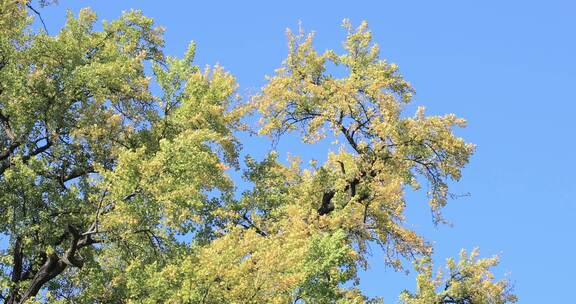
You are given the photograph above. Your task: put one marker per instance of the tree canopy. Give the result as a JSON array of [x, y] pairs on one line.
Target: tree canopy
[[111, 192]]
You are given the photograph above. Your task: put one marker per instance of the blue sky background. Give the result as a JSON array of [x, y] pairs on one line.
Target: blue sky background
[[506, 66]]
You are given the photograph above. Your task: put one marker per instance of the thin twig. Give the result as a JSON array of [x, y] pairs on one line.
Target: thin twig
[[39, 16]]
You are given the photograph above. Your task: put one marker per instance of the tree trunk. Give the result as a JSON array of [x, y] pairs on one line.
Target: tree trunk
[[54, 265], [51, 268]]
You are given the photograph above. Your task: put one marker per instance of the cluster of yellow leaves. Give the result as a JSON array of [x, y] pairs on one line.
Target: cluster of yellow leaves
[[364, 109], [468, 281]]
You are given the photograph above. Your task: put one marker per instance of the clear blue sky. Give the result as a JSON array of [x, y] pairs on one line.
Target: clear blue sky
[[506, 66]]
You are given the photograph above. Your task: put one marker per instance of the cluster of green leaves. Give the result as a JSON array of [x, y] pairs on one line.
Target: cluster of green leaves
[[100, 178]]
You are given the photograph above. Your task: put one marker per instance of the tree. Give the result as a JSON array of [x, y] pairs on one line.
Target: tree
[[100, 178]]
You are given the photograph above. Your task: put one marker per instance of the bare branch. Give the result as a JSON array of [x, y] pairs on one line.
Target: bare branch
[[39, 16]]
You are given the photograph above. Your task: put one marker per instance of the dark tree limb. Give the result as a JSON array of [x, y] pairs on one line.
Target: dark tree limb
[[327, 205], [5, 165], [251, 224], [39, 16], [54, 264], [16, 271]]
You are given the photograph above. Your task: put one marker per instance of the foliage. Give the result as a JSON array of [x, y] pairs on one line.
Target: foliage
[[101, 179], [468, 281]]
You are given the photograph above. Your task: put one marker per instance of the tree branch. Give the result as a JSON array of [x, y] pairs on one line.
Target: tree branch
[[54, 265], [39, 16]]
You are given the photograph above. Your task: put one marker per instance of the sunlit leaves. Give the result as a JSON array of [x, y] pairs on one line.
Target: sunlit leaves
[[467, 281], [112, 194]]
